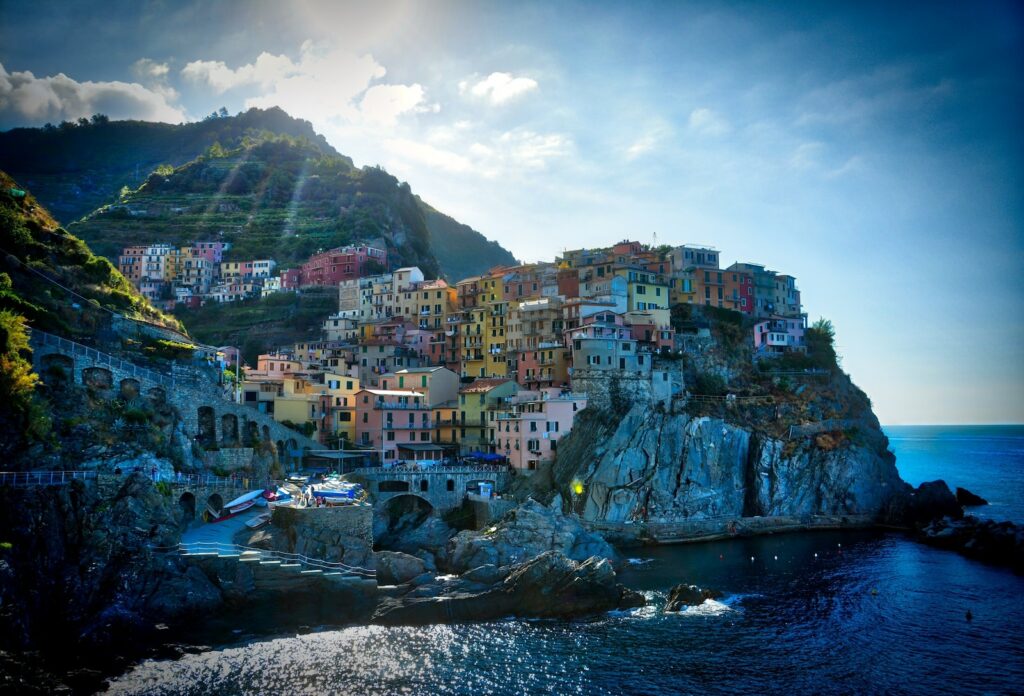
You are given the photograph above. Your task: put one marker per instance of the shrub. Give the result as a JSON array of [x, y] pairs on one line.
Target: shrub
[[709, 384]]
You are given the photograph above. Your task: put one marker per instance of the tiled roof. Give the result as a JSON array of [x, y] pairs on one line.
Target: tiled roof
[[484, 384]]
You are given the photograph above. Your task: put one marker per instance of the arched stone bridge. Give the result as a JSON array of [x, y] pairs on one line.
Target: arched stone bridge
[[443, 487], [208, 418]]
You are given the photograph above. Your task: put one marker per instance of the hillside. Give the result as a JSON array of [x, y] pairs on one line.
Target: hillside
[[51, 281], [461, 250], [274, 197], [75, 169]]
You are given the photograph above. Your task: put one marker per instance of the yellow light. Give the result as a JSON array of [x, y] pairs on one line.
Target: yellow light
[[577, 487]]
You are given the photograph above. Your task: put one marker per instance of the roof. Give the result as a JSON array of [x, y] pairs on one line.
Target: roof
[[411, 370], [421, 447], [393, 392], [484, 384]]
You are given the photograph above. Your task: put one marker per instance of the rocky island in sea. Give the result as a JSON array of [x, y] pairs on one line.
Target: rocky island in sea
[[429, 451]]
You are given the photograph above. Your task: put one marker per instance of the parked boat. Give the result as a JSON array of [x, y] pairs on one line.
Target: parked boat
[[258, 521]]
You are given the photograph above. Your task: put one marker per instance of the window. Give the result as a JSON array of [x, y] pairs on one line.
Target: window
[[366, 418], [533, 426], [391, 436]]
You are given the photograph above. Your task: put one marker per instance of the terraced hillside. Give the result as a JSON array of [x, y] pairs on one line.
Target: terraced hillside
[[276, 197], [76, 169]]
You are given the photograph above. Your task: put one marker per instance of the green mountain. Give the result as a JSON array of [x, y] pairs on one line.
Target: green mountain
[[78, 168], [274, 197], [461, 250]]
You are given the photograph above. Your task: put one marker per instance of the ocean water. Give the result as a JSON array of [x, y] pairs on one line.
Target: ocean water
[[824, 613], [986, 459]]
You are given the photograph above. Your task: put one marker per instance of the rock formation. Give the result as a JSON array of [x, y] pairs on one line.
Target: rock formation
[[548, 586]]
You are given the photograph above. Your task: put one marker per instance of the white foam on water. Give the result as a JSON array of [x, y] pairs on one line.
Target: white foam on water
[[639, 561]]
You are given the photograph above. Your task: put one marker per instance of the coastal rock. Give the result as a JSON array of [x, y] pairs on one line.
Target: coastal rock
[[527, 531], [967, 499], [395, 568], [666, 467], [999, 543], [548, 586], [931, 500], [685, 595], [487, 574]]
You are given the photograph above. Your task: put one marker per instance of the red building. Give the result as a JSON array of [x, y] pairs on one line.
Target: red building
[[344, 263]]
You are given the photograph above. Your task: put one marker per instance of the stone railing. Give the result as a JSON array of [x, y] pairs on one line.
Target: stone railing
[[26, 479], [100, 358]]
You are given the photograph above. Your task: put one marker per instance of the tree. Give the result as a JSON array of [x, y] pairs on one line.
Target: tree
[[820, 339], [98, 119], [21, 416]]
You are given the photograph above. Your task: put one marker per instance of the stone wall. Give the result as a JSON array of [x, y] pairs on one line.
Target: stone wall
[[487, 511], [229, 459], [443, 489], [355, 521]]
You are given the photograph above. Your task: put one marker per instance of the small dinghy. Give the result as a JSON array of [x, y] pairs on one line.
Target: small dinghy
[[258, 521]]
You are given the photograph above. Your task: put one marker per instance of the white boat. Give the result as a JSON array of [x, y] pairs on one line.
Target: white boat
[[258, 521], [242, 502]]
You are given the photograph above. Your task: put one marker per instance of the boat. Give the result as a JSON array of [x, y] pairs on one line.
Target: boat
[[239, 504], [258, 521]]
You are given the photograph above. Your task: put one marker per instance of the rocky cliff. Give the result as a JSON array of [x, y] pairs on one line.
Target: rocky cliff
[[671, 466]]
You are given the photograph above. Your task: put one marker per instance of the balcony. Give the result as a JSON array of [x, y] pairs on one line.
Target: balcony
[[409, 426], [388, 406]]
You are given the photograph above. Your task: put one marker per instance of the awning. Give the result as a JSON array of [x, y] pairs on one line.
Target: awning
[[421, 447], [337, 454]]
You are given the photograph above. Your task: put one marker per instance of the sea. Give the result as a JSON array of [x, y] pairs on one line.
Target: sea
[[858, 612]]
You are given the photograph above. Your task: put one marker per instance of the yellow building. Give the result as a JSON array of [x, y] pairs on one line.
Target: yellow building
[[495, 363], [446, 424], [477, 402], [473, 360]]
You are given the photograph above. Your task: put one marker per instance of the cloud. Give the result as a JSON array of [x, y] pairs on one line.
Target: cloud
[[383, 104], [499, 87], [29, 100], [147, 69], [329, 86], [706, 122], [647, 141], [422, 153]]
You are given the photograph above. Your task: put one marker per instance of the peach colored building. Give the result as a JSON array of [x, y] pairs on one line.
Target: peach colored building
[[528, 425], [386, 419]]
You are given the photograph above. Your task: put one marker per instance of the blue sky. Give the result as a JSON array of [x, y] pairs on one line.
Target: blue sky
[[871, 150]]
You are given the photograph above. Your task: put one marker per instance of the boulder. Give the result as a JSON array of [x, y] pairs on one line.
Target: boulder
[[526, 532], [489, 574], [548, 586], [685, 595], [396, 568], [931, 501], [968, 499]]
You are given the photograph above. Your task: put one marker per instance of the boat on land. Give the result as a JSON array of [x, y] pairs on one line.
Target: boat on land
[[239, 504], [258, 521]]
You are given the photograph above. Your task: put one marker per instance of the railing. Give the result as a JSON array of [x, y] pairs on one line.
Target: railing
[[101, 358], [24, 479], [397, 406], [409, 426], [197, 547], [385, 472]]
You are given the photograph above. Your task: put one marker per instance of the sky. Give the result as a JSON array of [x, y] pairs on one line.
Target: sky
[[872, 150]]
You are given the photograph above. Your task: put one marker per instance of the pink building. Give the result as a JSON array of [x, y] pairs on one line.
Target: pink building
[[211, 251], [343, 263], [387, 419], [779, 335], [529, 424]]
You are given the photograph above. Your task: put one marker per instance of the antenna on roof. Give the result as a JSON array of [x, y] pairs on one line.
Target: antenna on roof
[[655, 244]]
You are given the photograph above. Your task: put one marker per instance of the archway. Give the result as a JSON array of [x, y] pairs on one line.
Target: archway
[[424, 485], [207, 435], [130, 389], [214, 506], [252, 434], [98, 378], [187, 503], [399, 516], [229, 430]]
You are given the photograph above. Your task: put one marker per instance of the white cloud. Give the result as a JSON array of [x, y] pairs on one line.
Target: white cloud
[[706, 122], [331, 87], [147, 69], [29, 100], [647, 141], [383, 104], [421, 153], [499, 87]]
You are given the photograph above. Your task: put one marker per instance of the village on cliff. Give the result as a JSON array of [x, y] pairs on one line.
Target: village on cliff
[[494, 367]]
